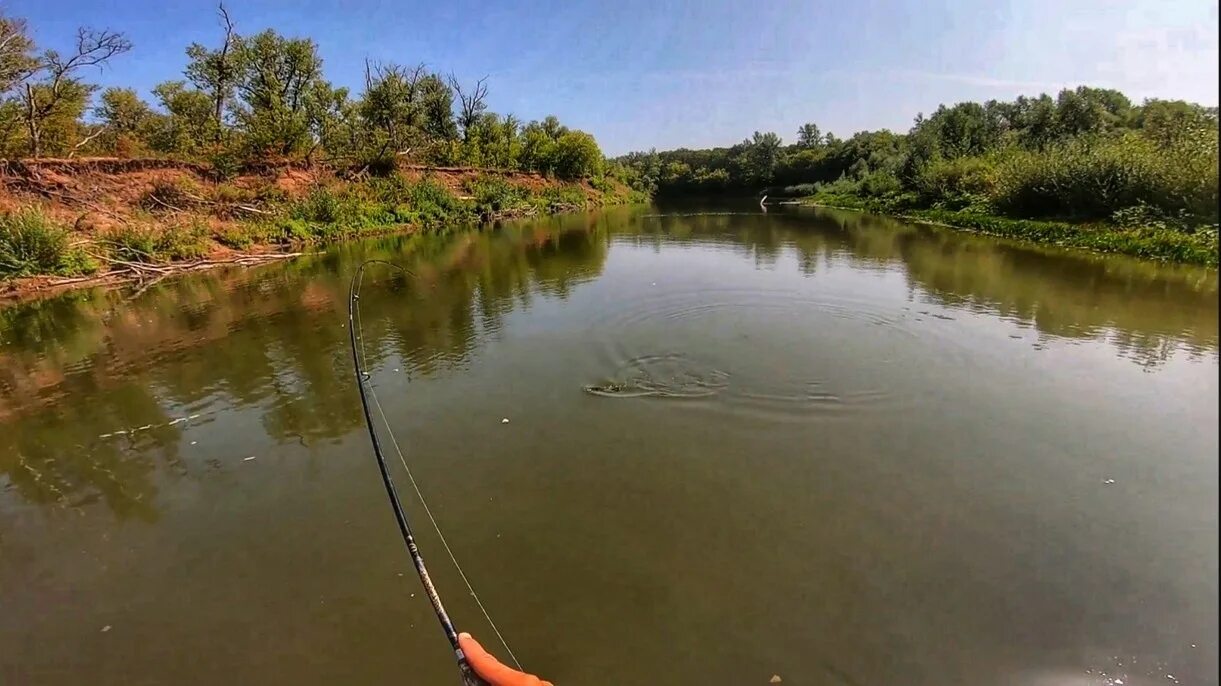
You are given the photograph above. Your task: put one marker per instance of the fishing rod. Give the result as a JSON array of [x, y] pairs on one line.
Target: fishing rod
[[469, 678]]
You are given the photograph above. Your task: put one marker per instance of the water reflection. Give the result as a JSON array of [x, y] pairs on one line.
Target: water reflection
[[92, 363], [844, 426], [87, 378]]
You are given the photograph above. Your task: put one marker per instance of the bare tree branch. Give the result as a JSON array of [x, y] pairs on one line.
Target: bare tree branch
[[85, 141], [224, 69], [470, 104], [94, 48]]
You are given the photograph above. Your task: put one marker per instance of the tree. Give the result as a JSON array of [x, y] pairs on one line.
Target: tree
[[538, 148], [188, 124], [1167, 122], [808, 136], [1034, 121], [510, 139], [122, 110], [274, 77], [759, 156], [216, 72], [125, 121], [331, 117], [576, 155], [437, 101], [392, 109], [16, 61], [58, 96], [471, 104], [552, 127], [1090, 110]]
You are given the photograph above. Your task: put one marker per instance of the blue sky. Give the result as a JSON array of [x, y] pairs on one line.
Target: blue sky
[[701, 73]]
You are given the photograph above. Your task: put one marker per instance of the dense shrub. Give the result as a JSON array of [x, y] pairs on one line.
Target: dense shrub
[[495, 194], [1094, 178], [956, 183], [152, 243], [30, 243]]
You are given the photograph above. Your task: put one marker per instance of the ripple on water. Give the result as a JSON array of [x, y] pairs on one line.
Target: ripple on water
[[717, 363], [668, 375]]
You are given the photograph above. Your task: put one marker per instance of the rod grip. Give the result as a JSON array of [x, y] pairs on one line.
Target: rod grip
[[469, 677]]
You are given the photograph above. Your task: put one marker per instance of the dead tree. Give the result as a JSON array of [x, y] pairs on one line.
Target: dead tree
[[470, 104], [225, 70], [41, 100]]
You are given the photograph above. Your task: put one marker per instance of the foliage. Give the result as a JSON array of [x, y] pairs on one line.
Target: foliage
[[275, 74], [31, 243], [956, 183], [1087, 153], [576, 155], [1094, 178], [127, 122], [42, 93], [495, 194], [157, 243], [251, 98], [187, 125]]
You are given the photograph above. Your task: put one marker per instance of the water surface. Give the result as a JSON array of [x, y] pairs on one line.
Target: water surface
[[826, 446]]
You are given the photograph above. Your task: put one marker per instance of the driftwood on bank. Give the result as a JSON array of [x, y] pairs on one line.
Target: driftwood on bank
[[141, 274]]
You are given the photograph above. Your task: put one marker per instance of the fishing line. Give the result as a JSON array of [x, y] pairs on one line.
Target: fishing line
[[400, 515]]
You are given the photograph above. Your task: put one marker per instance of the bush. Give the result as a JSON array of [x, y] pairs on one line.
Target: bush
[[1094, 178], [434, 203], [30, 243], [880, 184], [495, 194], [226, 163], [576, 155], [956, 183], [327, 206], [137, 243], [841, 186], [560, 198], [800, 190]]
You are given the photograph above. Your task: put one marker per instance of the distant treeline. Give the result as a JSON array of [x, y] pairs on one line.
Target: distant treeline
[[1088, 153], [264, 96]]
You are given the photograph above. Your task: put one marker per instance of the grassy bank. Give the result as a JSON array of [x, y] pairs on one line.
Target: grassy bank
[[1148, 240], [84, 219]]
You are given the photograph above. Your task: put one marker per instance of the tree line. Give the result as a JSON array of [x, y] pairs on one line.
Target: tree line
[[265, 96], [1086, 153]]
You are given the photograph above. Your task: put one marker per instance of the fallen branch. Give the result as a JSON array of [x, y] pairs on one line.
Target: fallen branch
[[159, 201]]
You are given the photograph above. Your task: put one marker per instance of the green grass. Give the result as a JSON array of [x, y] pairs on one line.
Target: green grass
[[495, 195], [31, 243], [1153, 242], [154, 244]]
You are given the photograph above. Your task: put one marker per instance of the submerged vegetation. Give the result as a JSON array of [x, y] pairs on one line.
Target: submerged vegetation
[[1096, 170]]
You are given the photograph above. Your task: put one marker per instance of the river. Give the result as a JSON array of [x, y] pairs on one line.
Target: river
[[824, 446]]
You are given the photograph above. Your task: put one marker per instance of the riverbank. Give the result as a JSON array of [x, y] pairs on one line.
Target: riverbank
[[1150, 242], [86, 222]]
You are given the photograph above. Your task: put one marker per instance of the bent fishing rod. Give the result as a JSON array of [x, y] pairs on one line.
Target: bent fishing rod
[[469, 678]]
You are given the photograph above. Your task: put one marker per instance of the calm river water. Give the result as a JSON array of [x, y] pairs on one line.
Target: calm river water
[[826, 446]]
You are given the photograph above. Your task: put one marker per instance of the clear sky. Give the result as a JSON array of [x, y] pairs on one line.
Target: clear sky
[[660, 73]]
